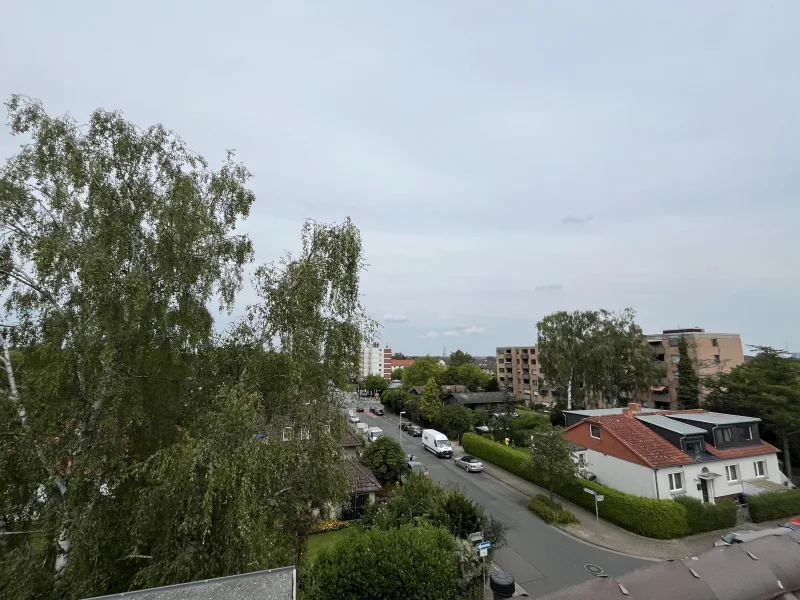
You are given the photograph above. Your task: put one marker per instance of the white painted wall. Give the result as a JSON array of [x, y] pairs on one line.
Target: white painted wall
[[720, 486], [641, 481], [620, 474]]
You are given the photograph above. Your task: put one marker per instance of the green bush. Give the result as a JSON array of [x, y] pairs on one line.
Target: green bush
[[408, 562], [662, 519], [774, 505], [708, 517], [550, 513]]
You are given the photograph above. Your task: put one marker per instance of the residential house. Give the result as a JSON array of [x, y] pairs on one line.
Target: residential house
[[488, 365], [489, 401], [663, 454], [364, 486], [445, 389], [401, 363], [275, 584]]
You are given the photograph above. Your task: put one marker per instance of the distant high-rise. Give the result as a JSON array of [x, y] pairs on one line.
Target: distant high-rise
[[375, 360], [518, 372]]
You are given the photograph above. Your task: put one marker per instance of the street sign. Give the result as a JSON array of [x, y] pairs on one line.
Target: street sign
[[484, 545], [599, 497], [588, 491], [483, 553], [476, 537]]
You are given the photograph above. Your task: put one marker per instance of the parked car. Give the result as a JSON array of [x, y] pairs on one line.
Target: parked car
[[377, 411], [354, 419], [793, 524], [404, 426], [739, 537], [482, 429], [360, 409], [469, 463], [415, 431], [437, 443], [417, 467]]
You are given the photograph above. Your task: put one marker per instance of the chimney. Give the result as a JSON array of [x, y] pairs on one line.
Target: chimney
[[634, 407], [627, 412]]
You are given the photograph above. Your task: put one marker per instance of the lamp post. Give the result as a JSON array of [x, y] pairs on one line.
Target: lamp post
[[400, 429]]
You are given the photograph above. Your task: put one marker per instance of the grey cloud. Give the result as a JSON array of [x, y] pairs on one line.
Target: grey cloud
[[551, 287], [474, 330], [570, 220], [451, 334], [430, 334]]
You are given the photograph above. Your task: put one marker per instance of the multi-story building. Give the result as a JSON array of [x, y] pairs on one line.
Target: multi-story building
[[487, 364], [711, 353], [375, 361], [518, 372]]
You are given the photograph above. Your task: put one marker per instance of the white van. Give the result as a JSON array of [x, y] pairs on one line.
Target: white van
[[373, 433], [436, 442]]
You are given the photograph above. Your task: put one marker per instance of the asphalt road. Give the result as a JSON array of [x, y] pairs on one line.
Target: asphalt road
[[540, 557]]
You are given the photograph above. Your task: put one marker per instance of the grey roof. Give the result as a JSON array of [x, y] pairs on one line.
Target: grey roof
[[715, 418], [481, 398], [671, 424], [363, 480], [275, 584], [600, 412], [718, 574]]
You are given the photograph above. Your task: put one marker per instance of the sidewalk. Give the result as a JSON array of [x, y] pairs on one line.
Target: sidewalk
[[611, 537]]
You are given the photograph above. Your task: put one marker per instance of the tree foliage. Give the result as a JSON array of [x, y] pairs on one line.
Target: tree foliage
[[688, 381], [552, 456], [386, 459], [374, 383], [767, 387], [420, 371], [458, 358], [455, 419], [137, 427], [431, 404]]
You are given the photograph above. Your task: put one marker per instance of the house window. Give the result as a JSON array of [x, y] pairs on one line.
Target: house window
[[675, 482], [582, 459], [716, 359], [501, 360], [286, 433], [594, 431], [723, 435], [676, 358], [759, 469], [502, 370], [745, 432], [714, 342], [305, 434], [732, 472], [694, 448], [673, 342]]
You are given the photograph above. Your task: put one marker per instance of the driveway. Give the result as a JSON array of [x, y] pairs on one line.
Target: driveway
[[540, 557]]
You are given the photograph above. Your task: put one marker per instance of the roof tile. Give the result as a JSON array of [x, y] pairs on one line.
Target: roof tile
[[762, 448]]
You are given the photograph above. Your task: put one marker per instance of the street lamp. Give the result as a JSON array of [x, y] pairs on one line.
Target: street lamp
[[400, 428]]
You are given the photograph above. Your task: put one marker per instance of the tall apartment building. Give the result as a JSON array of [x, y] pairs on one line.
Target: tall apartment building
[[518, 371], [711, 352], [376, 361]]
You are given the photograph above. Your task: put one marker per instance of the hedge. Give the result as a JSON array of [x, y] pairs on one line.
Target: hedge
[[551, 513], [774, 505], [662, 519], [708, 517]]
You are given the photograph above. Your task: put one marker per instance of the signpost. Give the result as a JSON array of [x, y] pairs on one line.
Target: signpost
[[597, 498], [483, 551], [476, 537]]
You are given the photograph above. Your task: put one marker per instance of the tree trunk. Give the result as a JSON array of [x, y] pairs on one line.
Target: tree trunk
[[787, 458], [569, 394]]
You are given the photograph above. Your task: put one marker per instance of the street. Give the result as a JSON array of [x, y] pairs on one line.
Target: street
[[540, 557]]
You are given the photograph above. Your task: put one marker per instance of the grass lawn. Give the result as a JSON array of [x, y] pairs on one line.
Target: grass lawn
[[318, 541]]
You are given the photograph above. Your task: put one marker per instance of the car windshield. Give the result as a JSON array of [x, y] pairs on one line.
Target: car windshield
[[470, 459], [728, 538], [442, 443]]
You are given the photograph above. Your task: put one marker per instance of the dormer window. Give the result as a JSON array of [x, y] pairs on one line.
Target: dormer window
[[745, 432], [694, 447], [723, 435]]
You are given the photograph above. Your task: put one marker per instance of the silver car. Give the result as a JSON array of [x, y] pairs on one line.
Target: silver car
[[739, 537], [469, 463]]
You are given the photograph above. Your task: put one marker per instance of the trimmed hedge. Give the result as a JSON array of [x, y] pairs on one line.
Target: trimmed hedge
[[661, 519], [551, 513], [774, 505], [708, 517]]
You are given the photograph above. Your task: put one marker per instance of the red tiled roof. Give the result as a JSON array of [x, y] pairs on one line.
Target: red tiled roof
[[402, 362], [762, 448], [363, 480], [641, 440]]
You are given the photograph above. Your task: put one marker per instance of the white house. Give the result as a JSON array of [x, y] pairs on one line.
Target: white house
[[663, 454]]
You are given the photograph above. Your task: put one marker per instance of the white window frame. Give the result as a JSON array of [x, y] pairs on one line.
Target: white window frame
[[728, 473], [763, 464], [592, 428], [305, 433], [327, 429], [284, 435], [749, 429], [581, 459], [672, 477]]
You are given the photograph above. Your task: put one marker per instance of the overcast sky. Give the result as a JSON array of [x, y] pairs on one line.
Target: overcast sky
[[503, 160]]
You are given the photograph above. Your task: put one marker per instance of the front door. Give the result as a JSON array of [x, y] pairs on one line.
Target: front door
[[704, 488]]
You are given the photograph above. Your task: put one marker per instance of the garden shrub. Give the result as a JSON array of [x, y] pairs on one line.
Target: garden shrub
[[407, 562], [323, 526], [662, 519], [551, 513], [774, 505], [708, 517]]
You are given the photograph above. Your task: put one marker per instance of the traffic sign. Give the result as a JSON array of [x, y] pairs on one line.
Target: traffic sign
[[484, 545], [476, 537], [588, 491], [483, 553], [599, 497]]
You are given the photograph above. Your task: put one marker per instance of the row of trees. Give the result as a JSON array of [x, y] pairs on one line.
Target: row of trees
[[138, 447], [460, 370]]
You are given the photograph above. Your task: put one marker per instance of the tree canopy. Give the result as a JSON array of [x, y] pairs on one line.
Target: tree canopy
[[385, 458], [551, 453], [147, 449], [374, 383], [420, 371], [431, 404], [458, 358], [688, 382]]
